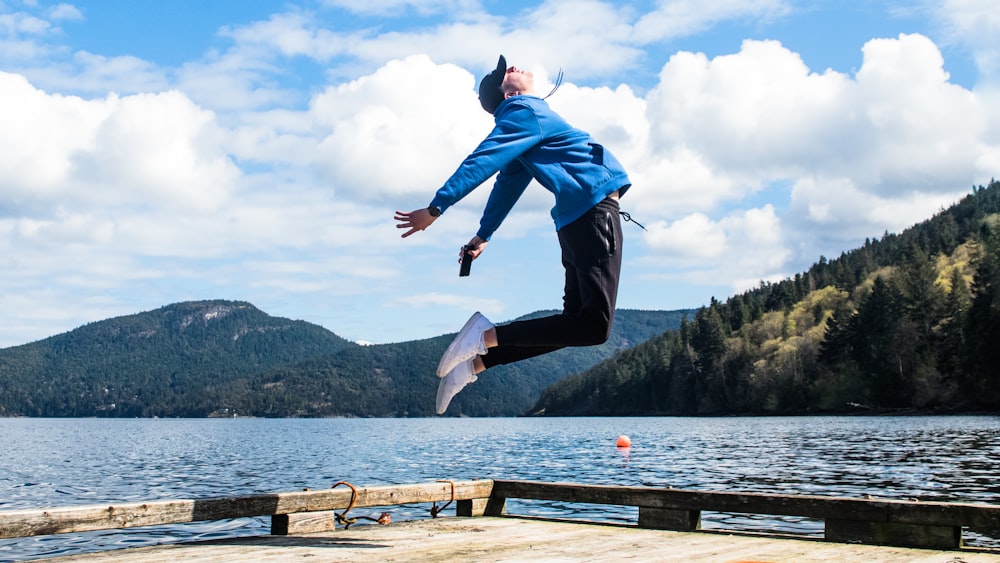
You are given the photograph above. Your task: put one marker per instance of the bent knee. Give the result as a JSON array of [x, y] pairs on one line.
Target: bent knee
[[593, 329]]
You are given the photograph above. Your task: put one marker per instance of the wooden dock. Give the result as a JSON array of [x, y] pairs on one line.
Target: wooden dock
[[522, 539], [306, 524]]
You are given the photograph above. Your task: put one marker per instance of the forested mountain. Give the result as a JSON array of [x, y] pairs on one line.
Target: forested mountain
[[909, 322], [220, 358], [165, 362], [399, 379]]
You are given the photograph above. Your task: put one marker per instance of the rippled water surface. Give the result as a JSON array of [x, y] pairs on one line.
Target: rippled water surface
[[60, 462]]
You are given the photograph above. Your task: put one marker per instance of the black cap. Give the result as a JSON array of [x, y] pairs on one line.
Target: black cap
[[490, 94]]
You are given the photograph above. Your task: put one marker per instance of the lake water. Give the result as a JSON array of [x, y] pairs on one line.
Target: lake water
[[59, 462]]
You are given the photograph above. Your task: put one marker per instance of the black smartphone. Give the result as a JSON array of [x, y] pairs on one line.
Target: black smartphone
[[466, 266]]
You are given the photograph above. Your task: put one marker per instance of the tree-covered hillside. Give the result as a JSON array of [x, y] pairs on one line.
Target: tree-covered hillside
[[162, 362], [907, 322], [399, 379], [220, 358]]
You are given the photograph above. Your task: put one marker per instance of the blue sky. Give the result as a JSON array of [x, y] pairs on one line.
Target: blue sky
[[156, 152]]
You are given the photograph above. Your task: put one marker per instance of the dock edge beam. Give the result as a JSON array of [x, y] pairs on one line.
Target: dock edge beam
[[926, 536]]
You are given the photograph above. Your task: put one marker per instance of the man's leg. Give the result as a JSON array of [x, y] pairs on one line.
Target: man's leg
[[591, 254]]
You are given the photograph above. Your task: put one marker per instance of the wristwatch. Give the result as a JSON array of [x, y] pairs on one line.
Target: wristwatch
[[434, 210]]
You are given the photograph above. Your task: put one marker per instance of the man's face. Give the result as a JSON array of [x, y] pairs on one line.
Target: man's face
[[517, 81]]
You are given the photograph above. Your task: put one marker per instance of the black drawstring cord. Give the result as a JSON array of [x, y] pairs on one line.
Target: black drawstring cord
[[628, 218], [559, 80]]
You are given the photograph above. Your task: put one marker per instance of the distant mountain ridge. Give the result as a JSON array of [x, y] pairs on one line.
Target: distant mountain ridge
[[115, 367], [225, 358]]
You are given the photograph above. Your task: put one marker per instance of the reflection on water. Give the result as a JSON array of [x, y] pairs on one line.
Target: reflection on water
[[56, 462]]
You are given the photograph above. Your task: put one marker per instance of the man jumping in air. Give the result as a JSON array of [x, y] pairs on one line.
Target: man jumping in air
[[530, 141]]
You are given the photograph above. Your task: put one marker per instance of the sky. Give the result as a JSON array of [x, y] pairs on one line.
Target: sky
[[159, 152]]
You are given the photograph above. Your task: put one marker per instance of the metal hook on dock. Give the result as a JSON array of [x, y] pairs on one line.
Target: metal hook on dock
[[384, 519], [434, 507]]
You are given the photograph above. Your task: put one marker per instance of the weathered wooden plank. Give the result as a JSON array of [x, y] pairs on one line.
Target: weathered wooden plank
[[327, 520], [976, 515], [21, 523], [667, 519], [303, 523], [820, 507], [496, 505], [753, 503], [894, 533], [471, 507], [886, 522]]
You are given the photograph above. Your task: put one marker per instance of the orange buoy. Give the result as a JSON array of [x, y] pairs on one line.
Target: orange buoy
[[624, 441]]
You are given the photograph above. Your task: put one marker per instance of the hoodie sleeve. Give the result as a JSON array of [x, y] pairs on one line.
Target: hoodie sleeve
[[510, 184], [515, 132]]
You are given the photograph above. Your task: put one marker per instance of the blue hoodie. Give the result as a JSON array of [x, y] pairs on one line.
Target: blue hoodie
[[529, 141]]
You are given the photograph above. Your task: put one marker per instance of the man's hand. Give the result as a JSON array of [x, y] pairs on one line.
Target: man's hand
[[476, 247], [416, 220]]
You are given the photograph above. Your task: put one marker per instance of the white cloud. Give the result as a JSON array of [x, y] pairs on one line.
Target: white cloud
[[566, 34], [124, 75], [836, 212], [925, 133], [289, 34], [148, 149], [22, 36], [615, 116], [741, 248], [588, 38], [874, 152], [694, 236], [398, 132], [757, 112], [235, 81], [976, 23], [680, 18], [20, 23], [402, 8], [160, 149], [897, 129], [65, 12], [39, 136], [698, 237]]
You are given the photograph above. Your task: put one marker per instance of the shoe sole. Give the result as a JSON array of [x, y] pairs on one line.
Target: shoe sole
[[441, 372], [443, 390], [440, 396]]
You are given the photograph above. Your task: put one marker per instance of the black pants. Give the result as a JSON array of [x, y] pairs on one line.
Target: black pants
[[592, 255]]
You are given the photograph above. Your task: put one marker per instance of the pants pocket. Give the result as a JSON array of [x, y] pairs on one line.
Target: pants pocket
[[610, 240]]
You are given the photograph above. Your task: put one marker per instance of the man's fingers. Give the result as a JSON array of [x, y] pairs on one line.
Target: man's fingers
[[414, 221]]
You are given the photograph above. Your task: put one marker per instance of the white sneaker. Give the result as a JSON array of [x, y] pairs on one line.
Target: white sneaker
[[467, 344], [451, 384]]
